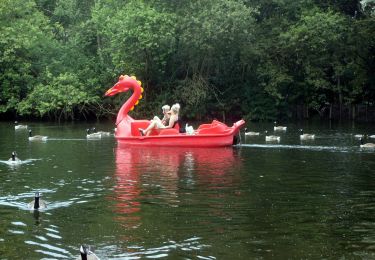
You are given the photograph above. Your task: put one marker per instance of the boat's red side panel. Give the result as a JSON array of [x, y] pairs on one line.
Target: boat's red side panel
[[216, 135], [179, 140]]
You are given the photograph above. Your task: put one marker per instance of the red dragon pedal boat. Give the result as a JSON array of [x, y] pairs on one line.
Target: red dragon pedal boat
[[216, 134]]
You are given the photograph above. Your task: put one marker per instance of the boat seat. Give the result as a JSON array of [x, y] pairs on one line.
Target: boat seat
[[204, 126], [171, 131], [215, 128]]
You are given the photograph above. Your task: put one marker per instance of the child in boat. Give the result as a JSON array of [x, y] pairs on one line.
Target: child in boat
[[157, 124]]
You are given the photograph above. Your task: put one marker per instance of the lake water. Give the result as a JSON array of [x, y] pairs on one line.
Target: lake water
[[291, 200]]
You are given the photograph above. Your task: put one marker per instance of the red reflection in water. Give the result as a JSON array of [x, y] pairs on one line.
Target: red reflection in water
[[160, 166], [127, 187]]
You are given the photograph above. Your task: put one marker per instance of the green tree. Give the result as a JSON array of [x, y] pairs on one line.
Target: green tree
[[63, 97], [26, 40]]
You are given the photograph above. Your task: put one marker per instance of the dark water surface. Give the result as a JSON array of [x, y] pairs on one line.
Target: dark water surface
[[291, 200]]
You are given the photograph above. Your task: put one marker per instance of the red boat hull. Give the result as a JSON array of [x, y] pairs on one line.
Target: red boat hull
[[180, 140], [216, 134]]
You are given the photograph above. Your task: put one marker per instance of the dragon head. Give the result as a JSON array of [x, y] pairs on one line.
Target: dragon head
[[124, 84]]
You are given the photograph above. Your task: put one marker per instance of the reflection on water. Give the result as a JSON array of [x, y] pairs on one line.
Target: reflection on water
[[152, 176]]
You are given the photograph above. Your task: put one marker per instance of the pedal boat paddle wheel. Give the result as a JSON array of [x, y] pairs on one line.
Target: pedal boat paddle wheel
[[216, 134]]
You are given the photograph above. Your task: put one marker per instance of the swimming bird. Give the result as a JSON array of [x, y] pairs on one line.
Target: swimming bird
[[19, 127], [104, 134], [37, 203], [92, 135], [37, 137], [251, 133], [278, 128], [86, 253], [367, 145], [14, 158], [272, 138], [306, 136]]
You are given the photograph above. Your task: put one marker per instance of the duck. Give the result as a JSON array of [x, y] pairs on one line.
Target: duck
[[102, 133], [189, 130], [278, 128], [251, 133], [92, 135], [306, 136], [37, 203], [367, 145], [86, 253], [14, 158], [19, 127], [37, 137], [272, 138]]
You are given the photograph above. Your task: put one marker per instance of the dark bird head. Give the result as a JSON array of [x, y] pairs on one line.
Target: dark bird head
[[85, 251], [36, 200], [14, 154]]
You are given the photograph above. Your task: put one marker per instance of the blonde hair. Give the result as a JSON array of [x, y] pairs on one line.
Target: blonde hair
[[166, 108], [175, 108]]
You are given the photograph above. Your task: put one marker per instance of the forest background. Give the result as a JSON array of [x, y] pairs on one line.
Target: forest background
[[226, 59]]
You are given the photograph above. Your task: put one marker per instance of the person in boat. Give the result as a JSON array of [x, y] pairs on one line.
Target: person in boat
[[156, 124], [165, 120]]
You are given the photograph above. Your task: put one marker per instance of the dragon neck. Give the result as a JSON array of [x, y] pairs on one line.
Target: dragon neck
[[130, 103]]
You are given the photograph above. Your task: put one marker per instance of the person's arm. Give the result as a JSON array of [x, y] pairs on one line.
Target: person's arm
[[172, 120]]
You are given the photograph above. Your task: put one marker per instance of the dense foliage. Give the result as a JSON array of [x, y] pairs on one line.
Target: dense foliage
[[255, 59]]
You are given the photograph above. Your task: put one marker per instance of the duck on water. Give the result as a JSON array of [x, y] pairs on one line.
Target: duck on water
[[86, 253], [14, 158], [37, 203], [367, 145], [19, 127], [272, 138], [37, 137]]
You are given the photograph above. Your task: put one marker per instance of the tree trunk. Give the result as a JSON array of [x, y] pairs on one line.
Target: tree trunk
[[330, 111], [340, 96], [353, 112], [305, 111]]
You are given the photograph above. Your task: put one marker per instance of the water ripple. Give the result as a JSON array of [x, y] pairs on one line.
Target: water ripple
[[343, 149], [47, 246], [14, 201], [18, 163], [190, 244]]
